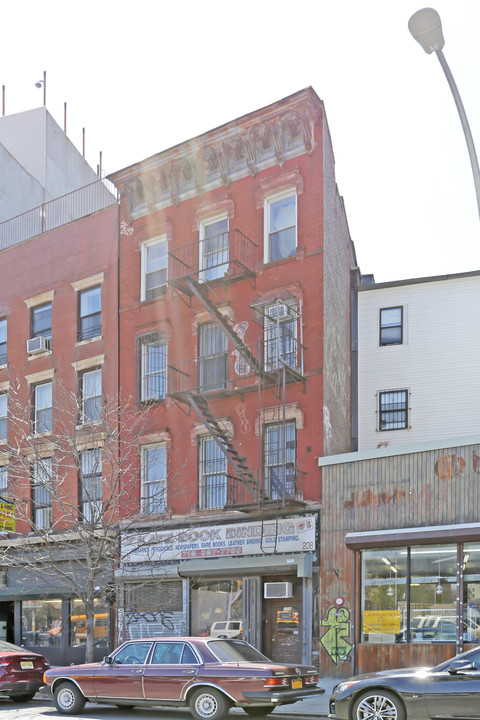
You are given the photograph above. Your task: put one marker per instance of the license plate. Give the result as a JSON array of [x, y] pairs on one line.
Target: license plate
[[26, 665], [296, 684]]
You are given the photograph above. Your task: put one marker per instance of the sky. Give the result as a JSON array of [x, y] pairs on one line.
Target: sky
[[143, 76]]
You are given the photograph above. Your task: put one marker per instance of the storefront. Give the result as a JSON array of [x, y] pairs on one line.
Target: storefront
[[251, 580]]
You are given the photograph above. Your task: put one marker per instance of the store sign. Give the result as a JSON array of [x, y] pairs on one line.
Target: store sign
[[285, 536], [381, 621], [7, 517]]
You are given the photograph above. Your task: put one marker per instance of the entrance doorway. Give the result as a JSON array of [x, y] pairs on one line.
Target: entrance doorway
[[6, 621], [282, 627]]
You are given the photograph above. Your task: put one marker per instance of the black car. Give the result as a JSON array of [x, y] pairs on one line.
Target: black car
[[449, 690]]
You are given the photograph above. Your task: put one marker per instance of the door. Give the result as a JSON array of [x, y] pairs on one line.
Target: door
[[282, 627], [6, 621], [447, 694], [173, 665], [123, 678]]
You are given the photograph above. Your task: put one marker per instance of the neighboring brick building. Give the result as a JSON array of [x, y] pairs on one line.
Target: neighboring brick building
[[236, 274]]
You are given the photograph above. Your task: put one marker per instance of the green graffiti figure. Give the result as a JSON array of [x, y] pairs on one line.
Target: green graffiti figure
[[336, 640]]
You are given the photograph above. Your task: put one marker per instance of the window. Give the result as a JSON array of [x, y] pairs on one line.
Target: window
[[3, 341], [280, 226], [279, 457], [91, 396], [214, 249], [152, 366], [3, 416], [154, 479], [3, 481], [133, 654], [212, 364], [42, 623], [78, 623], [91, 485], [391, 326], [42, 320], [42, 493], [393, 410], [43, 408], [217, 607], [90, 313], [280, 331], [212, 475], [154, 268]]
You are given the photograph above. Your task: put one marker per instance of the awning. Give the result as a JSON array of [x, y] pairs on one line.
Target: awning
[[285, 564]]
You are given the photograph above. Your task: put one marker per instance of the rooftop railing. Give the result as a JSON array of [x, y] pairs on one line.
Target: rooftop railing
[[55, 213]]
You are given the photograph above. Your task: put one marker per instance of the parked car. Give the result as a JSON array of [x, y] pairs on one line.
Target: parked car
[[207, 675], [226, 629], [449, 690], [21, 671], [438, 628]]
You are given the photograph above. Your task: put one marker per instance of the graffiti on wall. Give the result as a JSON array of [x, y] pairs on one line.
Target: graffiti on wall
[[336, 640]]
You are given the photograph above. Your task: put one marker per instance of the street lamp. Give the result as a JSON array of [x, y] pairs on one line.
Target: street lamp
[[426, 27]]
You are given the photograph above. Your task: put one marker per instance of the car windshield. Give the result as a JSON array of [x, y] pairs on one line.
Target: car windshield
[[235, 651], [8, 647]]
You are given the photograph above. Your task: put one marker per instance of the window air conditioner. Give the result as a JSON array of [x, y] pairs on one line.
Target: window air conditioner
[[278, 311], [37, 345], [273, 590]]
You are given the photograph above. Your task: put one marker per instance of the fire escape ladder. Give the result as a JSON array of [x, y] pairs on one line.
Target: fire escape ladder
[[223, 440], [201, 293]]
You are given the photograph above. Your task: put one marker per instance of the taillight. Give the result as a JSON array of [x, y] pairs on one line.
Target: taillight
[[4, 663], [276, 681], [312, 679]]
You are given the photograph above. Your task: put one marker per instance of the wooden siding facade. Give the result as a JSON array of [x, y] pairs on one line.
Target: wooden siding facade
[[411, 496]]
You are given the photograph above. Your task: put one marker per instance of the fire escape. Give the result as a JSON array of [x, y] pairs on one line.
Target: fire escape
[[197, 271]]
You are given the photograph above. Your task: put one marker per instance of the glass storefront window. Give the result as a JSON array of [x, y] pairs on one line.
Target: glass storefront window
[[78, 624], [433, 591], [384, 594], [217, 608], [41, 623], [471, 592]]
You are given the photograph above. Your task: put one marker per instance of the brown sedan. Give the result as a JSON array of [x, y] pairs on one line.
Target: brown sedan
[[207, 675]]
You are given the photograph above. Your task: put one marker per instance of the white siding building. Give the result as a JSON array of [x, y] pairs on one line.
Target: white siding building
[[419, 360]]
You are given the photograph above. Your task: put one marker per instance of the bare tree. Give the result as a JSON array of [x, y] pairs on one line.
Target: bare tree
[[74, 476]]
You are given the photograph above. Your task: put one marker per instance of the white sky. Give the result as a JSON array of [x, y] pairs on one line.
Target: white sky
[[143, 76]]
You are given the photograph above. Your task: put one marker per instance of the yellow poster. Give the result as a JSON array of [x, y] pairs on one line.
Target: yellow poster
[[381, 621], [7, 516]]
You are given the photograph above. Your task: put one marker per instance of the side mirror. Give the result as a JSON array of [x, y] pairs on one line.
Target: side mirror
[[458, 666], [108, 660]]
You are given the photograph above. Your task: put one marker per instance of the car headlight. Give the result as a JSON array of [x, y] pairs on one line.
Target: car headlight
[[345, 685]]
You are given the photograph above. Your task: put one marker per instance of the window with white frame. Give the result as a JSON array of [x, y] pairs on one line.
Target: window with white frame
[[391, 326], [280, 226], [393, 410], [90, 313], [213, 355], [91, 396], [42, 493], [90, 490], [152, 366], [43, 408], [280, 460], [154, 478], [280, 335], [154, 268], [3, 481], [3, 341], [213, 248], [212, 475], [3, 416]]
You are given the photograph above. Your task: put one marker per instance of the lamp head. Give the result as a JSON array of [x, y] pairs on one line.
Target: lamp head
[[426, 27]]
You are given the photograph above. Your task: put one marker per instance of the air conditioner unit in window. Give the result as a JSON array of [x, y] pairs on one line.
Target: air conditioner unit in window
[[38, 344], [273, 590], [278, 311]]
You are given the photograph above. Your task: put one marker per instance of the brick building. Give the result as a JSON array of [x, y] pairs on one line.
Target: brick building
[[236, 271]]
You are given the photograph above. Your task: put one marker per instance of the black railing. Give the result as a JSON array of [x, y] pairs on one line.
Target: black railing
[[242, 492]]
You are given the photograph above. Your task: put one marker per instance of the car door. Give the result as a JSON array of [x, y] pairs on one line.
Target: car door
[[173, 666], [123, 676], [451, 693]]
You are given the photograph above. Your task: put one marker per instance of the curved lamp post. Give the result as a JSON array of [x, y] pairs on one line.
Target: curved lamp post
[[426, 27]]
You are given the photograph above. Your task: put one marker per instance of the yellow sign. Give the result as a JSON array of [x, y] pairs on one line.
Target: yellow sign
[[7, 516], [381, 621]]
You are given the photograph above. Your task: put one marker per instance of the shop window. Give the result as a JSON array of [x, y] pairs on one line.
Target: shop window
[[90, 313], [213, 354], [471, 592], [280, 335], [3, 341], [151, 367], [280, 226], [217, 608], [213, 249], [90, 490], [154, 609], [393, 410], [391, 326], [41, 623], [279, 458], [78, 623], [42, 493], [212, 475], [154, 479], [3, 416]]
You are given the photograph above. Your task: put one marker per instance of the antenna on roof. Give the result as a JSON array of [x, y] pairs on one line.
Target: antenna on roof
[[43, 82]]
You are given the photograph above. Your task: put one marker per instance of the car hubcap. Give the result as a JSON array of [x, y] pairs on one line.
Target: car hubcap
[[376, 707], [206, 706], [66, 699]]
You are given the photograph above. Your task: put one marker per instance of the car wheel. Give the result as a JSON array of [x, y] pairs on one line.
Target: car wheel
[[68, 699], [208, 704], [22, 697], [379, 704], [259, 711]]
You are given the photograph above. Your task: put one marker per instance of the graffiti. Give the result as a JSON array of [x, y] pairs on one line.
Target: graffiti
[[369, 497], [125, 228], [162, 618], [245, 426], [241, 366], [336, 640], [449, 466]]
